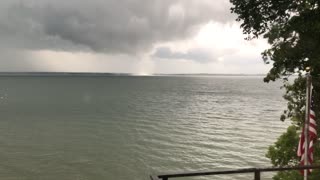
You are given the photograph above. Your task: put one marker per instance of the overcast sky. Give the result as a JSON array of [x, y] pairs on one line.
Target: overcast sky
[[128, 36]]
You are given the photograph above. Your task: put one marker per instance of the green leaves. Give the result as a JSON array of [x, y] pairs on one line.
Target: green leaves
[[257, 15], [292, 28], [296, 97], [284, 151]]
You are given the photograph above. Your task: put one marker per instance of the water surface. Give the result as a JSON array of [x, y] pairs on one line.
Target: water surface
[[92, 128]]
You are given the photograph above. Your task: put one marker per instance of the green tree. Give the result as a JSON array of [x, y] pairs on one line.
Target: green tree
[[292, 28]]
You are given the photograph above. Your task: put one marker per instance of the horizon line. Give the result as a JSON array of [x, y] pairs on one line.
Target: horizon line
[[121, 73]]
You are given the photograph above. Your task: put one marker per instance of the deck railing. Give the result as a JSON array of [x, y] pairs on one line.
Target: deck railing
[[256, 171]]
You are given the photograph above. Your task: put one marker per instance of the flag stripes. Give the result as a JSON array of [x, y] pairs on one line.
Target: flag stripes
[[312, 135]]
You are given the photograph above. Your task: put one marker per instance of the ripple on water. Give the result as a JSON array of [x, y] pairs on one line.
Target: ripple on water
[[130, 127]]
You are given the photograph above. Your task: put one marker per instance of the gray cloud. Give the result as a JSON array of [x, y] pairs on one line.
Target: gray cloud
[[13, 60], [110, 26], [198, 55]]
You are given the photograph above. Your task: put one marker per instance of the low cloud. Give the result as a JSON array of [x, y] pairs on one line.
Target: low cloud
[[12, 60], [110, 26], [197, 55]]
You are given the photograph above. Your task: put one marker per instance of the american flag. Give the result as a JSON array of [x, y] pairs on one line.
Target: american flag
[[312, 135]]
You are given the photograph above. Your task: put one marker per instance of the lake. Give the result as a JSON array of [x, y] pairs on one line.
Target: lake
[[128, 127]]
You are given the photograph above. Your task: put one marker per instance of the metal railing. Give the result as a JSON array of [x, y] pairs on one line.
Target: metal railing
[[256, 171]]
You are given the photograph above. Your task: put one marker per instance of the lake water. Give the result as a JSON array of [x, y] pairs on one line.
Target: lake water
[[125, 127]]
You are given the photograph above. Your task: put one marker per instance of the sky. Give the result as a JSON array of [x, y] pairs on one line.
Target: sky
[[126, 36]]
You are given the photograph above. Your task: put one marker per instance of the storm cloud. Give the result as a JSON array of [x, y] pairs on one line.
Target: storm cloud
[[111, 26], [199, 55], [129, 36]]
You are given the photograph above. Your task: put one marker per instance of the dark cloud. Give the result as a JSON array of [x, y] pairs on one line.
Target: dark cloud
[[198, 55], [110, 26]]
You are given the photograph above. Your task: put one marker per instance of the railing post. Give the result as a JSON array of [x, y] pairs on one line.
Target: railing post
[[257, 174]]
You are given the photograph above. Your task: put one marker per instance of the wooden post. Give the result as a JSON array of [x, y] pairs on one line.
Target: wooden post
[[257, 174]]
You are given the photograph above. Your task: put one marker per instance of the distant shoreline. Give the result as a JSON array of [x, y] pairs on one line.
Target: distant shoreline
[[110, 74], [60, 74]]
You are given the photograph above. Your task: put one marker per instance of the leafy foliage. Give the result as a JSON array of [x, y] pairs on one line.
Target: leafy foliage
[[292, 28], [283, 152], [296, 97]]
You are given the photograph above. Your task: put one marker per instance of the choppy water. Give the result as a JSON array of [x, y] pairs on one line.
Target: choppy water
[[94, 128]]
